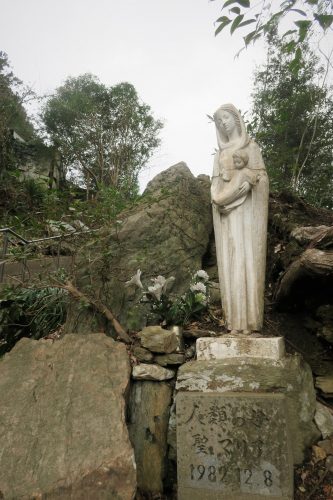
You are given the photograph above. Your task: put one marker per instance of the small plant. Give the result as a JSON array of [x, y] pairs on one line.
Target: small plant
[[30, 312], [180, 310]]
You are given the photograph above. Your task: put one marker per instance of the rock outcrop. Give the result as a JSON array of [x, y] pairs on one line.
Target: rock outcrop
[[166, 233]]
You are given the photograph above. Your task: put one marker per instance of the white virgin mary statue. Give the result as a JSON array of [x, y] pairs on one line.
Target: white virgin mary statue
[[240, 207]]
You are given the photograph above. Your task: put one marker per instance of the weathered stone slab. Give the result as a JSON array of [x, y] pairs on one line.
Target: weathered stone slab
[[233, 446], [148, 424], [62, 420], [242, 346]]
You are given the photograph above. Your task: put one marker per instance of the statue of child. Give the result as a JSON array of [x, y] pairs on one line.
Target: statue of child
[[237, 187]]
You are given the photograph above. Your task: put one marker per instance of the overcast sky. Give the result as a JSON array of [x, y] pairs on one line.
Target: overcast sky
[[166, 48]]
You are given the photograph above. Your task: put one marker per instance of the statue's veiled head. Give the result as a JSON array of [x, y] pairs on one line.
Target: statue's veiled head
[[230, 127]]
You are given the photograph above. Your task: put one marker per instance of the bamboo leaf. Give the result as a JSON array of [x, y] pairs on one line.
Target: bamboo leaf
[[325, 20], [289, 47], [242, 3], [289, 32], [224, 22], [303, 28], [250, 37], [235, 10], [236, 23], [299, 11], [246, 23], [295, 64]]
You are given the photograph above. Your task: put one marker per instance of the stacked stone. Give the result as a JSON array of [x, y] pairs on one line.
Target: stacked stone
[[159, 348]]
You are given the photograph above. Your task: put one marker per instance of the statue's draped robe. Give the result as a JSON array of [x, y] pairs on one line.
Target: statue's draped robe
[[240, 237]]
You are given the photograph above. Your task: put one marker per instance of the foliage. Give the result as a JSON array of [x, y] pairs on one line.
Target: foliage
[[12, 113], [292, 120], [175, 311], [30, 312], [105, 134], [263, 16]]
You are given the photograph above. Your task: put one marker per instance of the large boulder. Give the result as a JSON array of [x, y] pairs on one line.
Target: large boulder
[[62, 420], [166, 233]]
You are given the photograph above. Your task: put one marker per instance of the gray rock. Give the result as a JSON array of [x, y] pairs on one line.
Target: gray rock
[[190, 352], [156, 339], [142, 354], [324, 420], [144, 371], [166, 233], [148, 423], [325, 384], [170, 359], [329, 463], [62, 420]]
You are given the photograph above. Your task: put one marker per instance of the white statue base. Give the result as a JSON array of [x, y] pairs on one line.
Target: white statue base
[[240, 347]]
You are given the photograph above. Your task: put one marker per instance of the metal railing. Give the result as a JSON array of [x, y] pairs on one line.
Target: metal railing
[[6, 231]]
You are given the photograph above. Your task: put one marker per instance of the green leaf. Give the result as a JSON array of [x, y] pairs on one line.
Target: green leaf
[[289, 32], [249, 37], [298, 11], [311, 2], [276, 16], [224, 22], [222, 19], [236, 23], [295, 64], [245, 23], [239, 52], [289, 47], [243, 3], [235, 10], [325, 20], [303, 28]]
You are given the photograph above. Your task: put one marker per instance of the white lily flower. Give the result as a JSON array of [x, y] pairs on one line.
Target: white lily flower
[[160, 280], [167, 281], [135, 280], [156, 290]]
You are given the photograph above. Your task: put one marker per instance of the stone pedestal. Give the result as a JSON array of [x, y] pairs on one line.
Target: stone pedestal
[[242, 421]]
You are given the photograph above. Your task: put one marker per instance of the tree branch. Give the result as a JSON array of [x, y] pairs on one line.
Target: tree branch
[[98, 306]]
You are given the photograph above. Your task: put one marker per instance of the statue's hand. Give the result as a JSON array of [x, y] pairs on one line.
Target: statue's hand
[[244, 188], [224, 210]]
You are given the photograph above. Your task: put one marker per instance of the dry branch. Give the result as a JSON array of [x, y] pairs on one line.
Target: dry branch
[[100, 307]]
